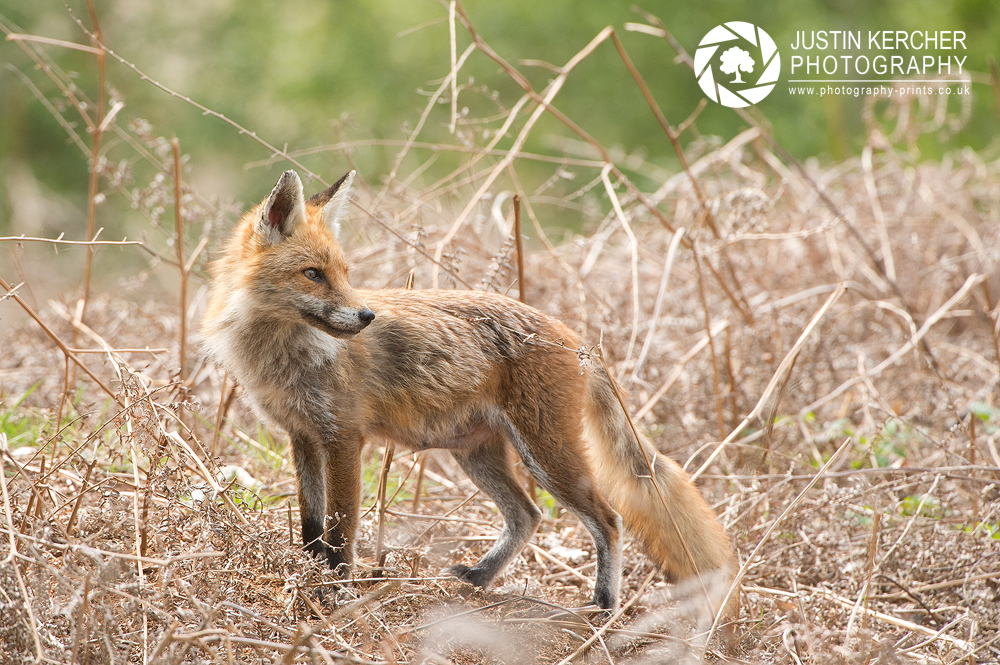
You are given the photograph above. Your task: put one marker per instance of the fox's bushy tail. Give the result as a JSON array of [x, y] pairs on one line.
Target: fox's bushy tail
[[677, 527]]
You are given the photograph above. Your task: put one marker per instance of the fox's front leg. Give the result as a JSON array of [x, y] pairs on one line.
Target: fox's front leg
[[343, 497], [310, 481]]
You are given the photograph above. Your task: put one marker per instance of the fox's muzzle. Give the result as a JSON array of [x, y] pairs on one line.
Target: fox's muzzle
[[340, 323]]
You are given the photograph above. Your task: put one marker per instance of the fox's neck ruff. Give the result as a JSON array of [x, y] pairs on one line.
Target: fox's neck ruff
[[275, 360]]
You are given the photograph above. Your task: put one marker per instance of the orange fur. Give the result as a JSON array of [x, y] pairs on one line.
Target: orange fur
[[473, 372]]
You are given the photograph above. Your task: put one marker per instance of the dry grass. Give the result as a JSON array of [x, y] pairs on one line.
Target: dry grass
[[156, 521]]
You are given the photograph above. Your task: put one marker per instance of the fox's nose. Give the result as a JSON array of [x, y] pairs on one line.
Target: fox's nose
[[366, 316]]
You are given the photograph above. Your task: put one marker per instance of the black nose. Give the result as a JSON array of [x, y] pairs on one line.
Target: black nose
[[366, 316]]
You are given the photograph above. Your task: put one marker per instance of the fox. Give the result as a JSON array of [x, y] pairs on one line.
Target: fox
[[478, 374]]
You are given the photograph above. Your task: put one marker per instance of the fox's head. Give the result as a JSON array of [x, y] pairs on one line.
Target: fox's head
[[284, 262]]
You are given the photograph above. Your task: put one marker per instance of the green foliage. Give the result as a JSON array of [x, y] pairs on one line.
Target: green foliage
[[306, 73], [860, 518], [548, 504], [371, 467], [911, 505], [989, 530], [265, 448], [987, 416], [22, 426], [396, 488], [889, 445]]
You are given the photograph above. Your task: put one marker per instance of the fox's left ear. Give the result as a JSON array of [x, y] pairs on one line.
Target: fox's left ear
[[283, 210], [334, 201]]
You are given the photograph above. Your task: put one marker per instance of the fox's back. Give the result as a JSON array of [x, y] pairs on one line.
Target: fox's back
[[431, 354]]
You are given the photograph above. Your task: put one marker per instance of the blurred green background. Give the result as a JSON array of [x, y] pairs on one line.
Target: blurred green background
[[304, 73]]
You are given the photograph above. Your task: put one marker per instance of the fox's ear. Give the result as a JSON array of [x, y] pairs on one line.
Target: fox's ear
[[334, 201], [283, 210]]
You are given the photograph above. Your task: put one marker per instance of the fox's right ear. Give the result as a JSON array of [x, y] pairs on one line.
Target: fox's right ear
[[283, 210], [334, 201]]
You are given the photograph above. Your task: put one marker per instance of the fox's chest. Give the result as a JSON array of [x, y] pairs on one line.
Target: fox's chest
[[286, 375]]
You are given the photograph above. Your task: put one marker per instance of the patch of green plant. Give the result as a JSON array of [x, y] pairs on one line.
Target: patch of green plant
[[23, 426], [252, 500], [399, 490], [828, 432], [911, 505], [264, 448], [372, 468], [860, 518], [836, 430], [275, 446], [988, 416], [890, 444], [547, 503], [988, 529]]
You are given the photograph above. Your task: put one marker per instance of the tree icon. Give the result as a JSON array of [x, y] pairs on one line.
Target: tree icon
[[734, 60]]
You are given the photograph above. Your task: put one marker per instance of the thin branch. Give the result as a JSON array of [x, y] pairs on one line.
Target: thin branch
[[834, 459], [179, 224], [95, 162], [60, 241], [553, 88], [519, 244]]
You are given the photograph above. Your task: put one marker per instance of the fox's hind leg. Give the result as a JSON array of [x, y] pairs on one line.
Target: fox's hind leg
[[489, 466], [555, 457]]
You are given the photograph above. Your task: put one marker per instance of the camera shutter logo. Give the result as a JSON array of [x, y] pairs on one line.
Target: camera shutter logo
[[741, 50]]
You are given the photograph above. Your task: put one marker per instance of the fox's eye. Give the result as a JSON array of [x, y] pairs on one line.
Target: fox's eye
[[313, 274]]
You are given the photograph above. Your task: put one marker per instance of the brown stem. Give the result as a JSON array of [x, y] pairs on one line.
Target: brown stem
[[65, 392], [520, 80], [79, 499], [221, 413], [179, 223], [672, 135], [383, 479], [420, 480], [995, 81], [95, 162], [719, 411], [520, 248]]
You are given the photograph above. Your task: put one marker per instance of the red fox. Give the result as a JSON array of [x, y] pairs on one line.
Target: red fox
[[472, 372]]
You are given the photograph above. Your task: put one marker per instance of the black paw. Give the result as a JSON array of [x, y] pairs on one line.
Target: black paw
[[334, 556], [604, 599], [339, 563], [324, 596], [474, 576], [317, 548]]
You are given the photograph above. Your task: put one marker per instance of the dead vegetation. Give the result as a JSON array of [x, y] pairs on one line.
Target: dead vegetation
[[818, 344]]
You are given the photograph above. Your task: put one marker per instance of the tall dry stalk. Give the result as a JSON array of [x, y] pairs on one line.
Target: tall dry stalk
[[97, 127], [181, 265]]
